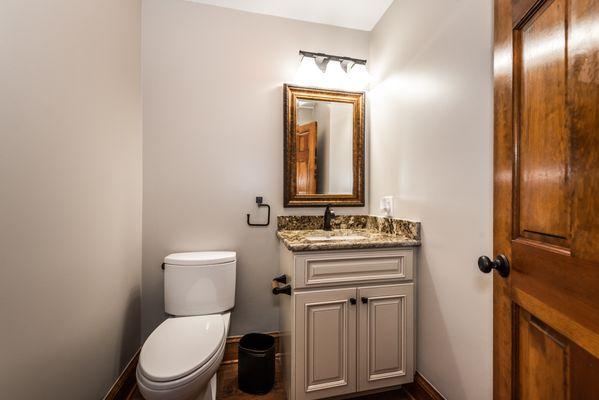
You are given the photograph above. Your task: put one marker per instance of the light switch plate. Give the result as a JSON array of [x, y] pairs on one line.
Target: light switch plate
[[386, 205]]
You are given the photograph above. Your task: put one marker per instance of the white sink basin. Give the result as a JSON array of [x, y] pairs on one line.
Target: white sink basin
[[335, 238]]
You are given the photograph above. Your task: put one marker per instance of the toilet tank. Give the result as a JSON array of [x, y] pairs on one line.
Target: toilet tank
[[199, 283]]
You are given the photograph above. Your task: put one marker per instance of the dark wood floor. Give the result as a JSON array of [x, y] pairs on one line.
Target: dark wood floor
[[227, 389]]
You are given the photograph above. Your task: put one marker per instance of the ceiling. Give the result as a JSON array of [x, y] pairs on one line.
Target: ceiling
[[355, 14]]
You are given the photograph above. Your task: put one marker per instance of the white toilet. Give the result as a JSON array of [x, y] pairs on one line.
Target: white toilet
[[180, 358]]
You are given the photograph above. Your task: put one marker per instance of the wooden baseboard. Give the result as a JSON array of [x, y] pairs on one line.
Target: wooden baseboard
[[126, 383], [421, 389]]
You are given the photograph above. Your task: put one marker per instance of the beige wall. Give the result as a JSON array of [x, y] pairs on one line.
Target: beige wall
[[70, 196], [431, 138], [213, 140]]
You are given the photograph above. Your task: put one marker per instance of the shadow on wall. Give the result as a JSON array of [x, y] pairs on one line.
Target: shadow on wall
[[83, 353], [131, 328], [442, 344]]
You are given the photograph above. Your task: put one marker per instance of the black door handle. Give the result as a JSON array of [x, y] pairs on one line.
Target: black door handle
[[501, 264], [352, 301], [364, 300]]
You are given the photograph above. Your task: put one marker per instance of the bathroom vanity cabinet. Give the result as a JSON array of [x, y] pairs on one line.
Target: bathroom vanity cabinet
[[348, 322]]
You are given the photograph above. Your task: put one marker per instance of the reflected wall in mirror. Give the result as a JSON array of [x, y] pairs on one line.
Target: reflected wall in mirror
[[324, 147]]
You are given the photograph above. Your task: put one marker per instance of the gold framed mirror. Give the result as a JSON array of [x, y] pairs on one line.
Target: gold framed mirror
[[324, 147]]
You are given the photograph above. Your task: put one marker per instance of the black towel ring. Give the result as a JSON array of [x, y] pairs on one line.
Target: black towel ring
[[260, 203]]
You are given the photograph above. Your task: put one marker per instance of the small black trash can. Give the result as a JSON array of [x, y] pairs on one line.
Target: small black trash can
[[256, 369]]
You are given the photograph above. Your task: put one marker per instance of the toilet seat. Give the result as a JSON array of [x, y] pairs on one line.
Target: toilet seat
[[187, 383], [181, 350]]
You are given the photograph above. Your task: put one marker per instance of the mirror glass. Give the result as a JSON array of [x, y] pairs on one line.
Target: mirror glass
[[324, 147]]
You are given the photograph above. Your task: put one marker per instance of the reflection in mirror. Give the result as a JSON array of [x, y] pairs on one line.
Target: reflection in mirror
[[323, 147]]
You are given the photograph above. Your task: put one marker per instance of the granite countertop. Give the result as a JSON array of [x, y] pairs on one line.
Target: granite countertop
[[377, 232]]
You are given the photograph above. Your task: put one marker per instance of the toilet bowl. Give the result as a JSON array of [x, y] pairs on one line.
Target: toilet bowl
[[180, 358]]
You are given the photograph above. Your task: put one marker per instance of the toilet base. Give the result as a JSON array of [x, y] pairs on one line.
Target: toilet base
[[210, 391]]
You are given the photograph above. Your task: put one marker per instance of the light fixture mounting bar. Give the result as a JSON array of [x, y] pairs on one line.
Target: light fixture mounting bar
[[332, 57]]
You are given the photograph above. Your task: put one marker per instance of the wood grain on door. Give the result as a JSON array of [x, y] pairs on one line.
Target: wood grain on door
[[305, 158], [546, 199]]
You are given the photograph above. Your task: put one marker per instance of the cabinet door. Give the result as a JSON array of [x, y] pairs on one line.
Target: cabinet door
[[385, 336], [325, 343]]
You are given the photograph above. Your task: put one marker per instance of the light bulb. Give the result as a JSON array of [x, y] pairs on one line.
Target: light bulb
[[308, 73], [335, 76], [358, 77]]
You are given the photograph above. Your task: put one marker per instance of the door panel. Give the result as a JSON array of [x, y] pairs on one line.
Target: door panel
[[542, 143], [550, 366], [385, 336], [546, 199], [543, 354], [326, 343]]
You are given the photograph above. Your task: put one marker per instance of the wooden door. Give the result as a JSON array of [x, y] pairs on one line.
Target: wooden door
[[546, 199], [385, 336], [325, 343], [305, 158]]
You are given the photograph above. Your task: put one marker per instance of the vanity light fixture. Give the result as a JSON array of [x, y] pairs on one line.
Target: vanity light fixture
[[327, 70], [334, 75], [348, 61], [358, 77], [309, 73]]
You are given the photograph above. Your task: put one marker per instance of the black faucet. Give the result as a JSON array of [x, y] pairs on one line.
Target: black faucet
[[328, 217]]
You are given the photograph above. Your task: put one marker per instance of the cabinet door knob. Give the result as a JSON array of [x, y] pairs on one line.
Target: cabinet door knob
[[501, 264], [364, 300], [352, 301]]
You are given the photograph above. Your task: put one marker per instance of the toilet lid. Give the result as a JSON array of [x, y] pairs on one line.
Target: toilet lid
[[198, 258], [180, 346]]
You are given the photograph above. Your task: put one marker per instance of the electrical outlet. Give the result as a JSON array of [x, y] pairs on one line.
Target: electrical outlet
[[386, 205]]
